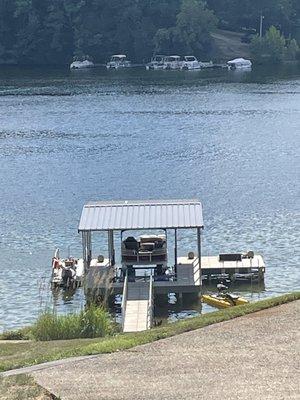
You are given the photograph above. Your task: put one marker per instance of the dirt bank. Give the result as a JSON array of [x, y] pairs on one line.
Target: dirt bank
[[228, 45]]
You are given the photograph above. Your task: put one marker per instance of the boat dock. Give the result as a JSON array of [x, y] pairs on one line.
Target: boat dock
[[146, 273]]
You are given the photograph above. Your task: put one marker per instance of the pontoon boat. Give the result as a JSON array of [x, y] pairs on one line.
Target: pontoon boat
[[172, 62], [118, 61], [190, 63], [157, 62]]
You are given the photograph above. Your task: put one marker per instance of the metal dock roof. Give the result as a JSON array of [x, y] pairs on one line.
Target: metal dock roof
[[141, 214]]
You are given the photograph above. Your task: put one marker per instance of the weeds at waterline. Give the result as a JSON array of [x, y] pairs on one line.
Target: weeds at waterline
[[91, 322]]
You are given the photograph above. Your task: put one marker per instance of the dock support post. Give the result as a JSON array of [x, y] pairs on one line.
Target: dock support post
[[199, 253], [179, 298], [175, 252], [87, 249], [111, 250], [83, 250]]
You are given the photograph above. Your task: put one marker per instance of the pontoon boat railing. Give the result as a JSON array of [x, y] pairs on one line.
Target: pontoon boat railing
[[144, 256]]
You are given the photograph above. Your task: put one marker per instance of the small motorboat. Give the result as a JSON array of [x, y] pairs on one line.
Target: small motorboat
[[67, 273], [82, 64], [239, 63], [223, 300]]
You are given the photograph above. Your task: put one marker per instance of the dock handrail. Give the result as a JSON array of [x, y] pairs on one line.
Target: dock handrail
[[150, 302], [124, 299]]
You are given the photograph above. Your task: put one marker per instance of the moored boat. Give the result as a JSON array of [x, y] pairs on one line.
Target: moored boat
[[223, 300], [66, 273], [157, 62], [118, 61], [239, 63], [82, 64], [172, 62], [190, 63]]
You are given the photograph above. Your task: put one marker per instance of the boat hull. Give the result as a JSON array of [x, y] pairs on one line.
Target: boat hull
[[222, 302], [82, 65]]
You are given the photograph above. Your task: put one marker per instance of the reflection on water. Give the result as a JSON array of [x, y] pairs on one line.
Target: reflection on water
[[231, 140]]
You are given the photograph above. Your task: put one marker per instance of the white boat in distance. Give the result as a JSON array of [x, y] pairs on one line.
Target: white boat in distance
[[239, 63], [157, 62], [172, 62], [118, 61], [82, 64], [190, 63]]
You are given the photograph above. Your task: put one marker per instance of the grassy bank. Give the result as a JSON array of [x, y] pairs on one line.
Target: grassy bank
[[91, 322], [15, 355], [22, 387]]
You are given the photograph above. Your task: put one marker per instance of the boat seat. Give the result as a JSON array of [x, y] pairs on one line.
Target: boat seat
[[131, 243], [232, 296], [147, 246]]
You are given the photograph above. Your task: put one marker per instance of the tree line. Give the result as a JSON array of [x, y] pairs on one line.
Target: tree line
[[53, 31]]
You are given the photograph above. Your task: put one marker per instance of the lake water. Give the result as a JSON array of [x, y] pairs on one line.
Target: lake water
[[228, 138]]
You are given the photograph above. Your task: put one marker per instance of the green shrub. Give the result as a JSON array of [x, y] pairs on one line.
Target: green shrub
[[20, 334], [95, 322], [292, 50], [269, 48], [89, 323]]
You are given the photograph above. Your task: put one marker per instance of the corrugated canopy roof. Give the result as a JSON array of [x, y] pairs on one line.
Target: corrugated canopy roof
[[152, 214]]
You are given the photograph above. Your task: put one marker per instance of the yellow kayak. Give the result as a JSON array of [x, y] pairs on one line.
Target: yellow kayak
[[223, 301]]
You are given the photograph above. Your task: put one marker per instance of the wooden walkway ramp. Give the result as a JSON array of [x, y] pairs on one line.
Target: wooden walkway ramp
[[137, 306]]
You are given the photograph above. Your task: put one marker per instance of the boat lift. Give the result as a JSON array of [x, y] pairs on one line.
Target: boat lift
[[148, 252]]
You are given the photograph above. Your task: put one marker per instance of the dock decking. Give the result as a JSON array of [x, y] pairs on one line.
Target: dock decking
[[189, 277]]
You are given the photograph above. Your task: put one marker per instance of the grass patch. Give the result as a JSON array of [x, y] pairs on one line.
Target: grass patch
[[22, 387], [89, 323], [15, 355]]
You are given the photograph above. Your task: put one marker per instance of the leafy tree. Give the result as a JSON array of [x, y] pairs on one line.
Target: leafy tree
[[292, 50], [58, 30], [235, 14], [270, 48], [7, 32], [191, 34], [194, 24], [52, 31]]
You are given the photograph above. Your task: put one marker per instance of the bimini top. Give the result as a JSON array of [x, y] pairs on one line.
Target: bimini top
[[141, 214]]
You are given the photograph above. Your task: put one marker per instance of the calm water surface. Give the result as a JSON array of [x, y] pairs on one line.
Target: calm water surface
[[228, 138]]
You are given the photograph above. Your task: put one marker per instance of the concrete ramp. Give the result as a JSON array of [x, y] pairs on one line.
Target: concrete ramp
[[137, 307]]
